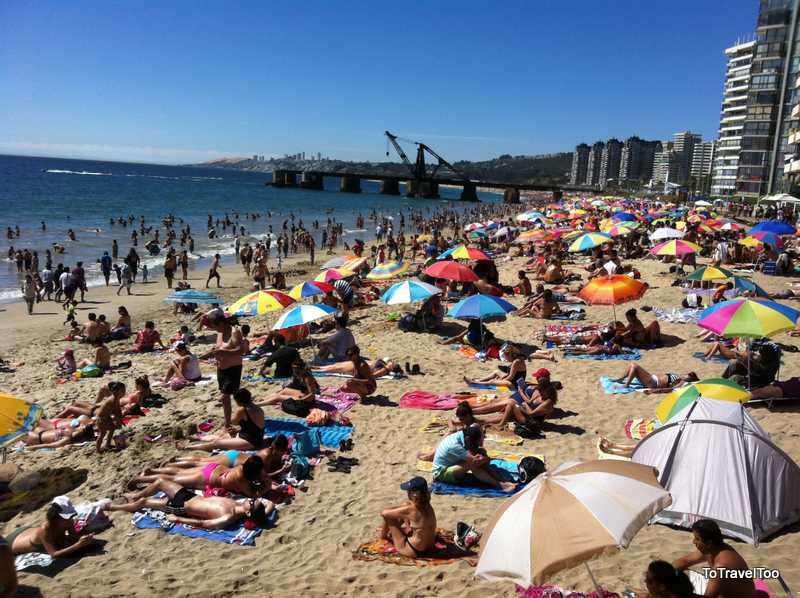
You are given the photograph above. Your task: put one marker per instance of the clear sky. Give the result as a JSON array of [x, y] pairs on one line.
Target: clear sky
[[177, 81]]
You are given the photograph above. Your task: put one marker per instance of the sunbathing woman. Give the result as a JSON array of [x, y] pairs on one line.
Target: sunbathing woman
[[535, 407], [380, 367], [302, 387], [112, 389], [635, 334], [56, 437], [363, 381], [735, 349], [411, 527], [655, 383], [243, 479], [250, 436], [786, 388], [123, 327], [615, 448], [272, 456], [57, 536], [506, 375], [185, 367]]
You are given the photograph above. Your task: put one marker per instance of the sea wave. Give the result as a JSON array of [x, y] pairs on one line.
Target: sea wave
[[84, 172]]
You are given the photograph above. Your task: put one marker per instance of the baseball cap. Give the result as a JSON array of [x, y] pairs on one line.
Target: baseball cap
[[541, 373], [66, 510], [416, 483], [214, 315], [473, 432]]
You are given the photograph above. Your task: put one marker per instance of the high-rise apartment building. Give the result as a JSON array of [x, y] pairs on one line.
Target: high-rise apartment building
[[636, 161], [610, 162], [595, 161], [666, 163], [580, 165], [685, 143], [702, 159], [732, 116]]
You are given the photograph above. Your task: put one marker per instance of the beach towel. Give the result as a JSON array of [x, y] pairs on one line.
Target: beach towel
[[147, 519], [131, 418], [445, 552], [436, 424], [611, 386], [505, 470], [499, 456], [29, 560], [485, 386], [566, 334], [330, 436], [422, 399], [558, 592], [715, 359], [677, 315], [466, 350], [336, 399], [569, 315], [626, 355], [638, 427]]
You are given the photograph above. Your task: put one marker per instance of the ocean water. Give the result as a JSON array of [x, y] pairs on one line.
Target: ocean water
[[83, 195]]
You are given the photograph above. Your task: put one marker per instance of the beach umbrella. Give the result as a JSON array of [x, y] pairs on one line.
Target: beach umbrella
[[759, 238], [474, 226], [745, 284], [730, 225], [599, 203], [719, 389], [748, 317], [539, 235], [565, 517], [387, 270], [529, 216], [476, 234], [354, 264], [710, 273], [333, 274], [451, 270], [17, 418], [462, 252], [309, 289], [194, 296], [612, 290], [661, 234], [425, 237], [703, 203], [480, 307], [619, 230], [502, 232], [588, 241], [624, 216], [260, 302], [303, 314], [676, 247], [409, 291], [338, 261], [774, 226]]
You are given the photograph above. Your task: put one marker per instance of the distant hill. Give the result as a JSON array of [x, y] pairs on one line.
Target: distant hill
[[543, 169]]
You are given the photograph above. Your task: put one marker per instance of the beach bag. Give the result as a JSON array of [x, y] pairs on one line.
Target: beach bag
[[295, 407], [306, 443], [527, 430], [529, 468], [301, 468], [91, 371], [408, 323]]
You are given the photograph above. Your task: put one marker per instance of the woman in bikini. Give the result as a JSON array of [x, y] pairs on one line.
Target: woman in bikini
[[655, 383], [123, 327], [244, 479], [380, 367], [363, 381], [302, 387], [56, 437], [250, 435], [537, 404], [411, 527], [132, 404], [56, 537], [78, 408], [507, 375]]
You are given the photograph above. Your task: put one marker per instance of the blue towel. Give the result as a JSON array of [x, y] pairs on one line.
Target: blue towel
[[716, 359], [239, 535], [627, 355], [485, 386], [612, 387], [572, 315], [331, 436], [505, 470]]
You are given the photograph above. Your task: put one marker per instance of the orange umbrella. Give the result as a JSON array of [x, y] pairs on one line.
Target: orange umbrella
[[612, 290]]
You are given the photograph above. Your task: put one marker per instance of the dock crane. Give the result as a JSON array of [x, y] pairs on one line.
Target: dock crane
[[418, 170]]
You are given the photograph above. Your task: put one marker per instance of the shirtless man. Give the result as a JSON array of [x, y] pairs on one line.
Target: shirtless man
[[411, 527], [102, 356], [108, 418], [363, 381], [91, 330], [213, 271], [184, 506], [713, 552], [228, 353]]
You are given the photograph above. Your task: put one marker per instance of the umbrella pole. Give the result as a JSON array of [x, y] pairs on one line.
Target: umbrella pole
[[749, 348], [597, 587]]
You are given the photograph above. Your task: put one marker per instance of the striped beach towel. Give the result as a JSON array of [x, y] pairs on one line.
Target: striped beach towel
[[639, 427]]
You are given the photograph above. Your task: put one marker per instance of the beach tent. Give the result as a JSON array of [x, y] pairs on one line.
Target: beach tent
[[718, 463]]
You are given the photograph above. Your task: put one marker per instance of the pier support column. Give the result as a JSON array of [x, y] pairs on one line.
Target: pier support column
[[350, 184], [511, 196], [469, 193], [390, 187], [311, 180], [427, 189], [558, 195], [278, 176], [289, 179]]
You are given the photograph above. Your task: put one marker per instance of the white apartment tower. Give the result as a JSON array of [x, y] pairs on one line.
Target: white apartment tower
[[732, 116]]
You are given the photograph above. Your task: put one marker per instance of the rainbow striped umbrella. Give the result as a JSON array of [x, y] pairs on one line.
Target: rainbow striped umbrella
[[759, 238], [338, 261], [719, 389], [710, 273], [259, 303], [749, 318], [409, 291], [387, 270], [462, 252], [309, 289], [17, 418], [333, 274], [303, 314], [619, 230], [676, 247], [588, 241]]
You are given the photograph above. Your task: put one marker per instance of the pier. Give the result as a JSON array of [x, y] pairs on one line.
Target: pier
[[350, 182]]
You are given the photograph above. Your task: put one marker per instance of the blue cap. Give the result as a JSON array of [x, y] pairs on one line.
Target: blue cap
[[416, 483]]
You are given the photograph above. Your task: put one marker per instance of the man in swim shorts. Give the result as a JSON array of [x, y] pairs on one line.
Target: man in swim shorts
[[460, 453], [228, 353]]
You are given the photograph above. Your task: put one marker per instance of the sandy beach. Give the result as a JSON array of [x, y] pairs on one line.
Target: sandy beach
[[309, 553]]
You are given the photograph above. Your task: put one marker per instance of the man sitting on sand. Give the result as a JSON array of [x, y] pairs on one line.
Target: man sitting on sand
[[411, 527], [147, 339], [102, 356], [713, 552], [336, 345], [460, 454], [203, 512]]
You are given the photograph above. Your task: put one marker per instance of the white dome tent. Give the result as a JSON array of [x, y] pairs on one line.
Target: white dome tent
[[718, 463]]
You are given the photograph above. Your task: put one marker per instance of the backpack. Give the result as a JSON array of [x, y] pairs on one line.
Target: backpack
[[306, 443], [408, 323], [529, 468], [295, 407], [300, 467], [527, 430]]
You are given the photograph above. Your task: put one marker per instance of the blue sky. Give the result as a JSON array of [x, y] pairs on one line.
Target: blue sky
[[181, 81]]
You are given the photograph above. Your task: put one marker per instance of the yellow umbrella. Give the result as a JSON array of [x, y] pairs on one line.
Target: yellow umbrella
[[387, 270], [720, 389], [17, 418], [260, 302]]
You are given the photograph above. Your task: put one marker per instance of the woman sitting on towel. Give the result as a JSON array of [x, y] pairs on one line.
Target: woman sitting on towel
[[250, 435], [655, 383], [363, 381], [537, 403], [411, 527], [185, 368], [243, 479], [635, 334], [302, 387]]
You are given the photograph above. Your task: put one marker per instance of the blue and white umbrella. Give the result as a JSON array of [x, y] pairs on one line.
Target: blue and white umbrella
[[193, 296], [480, 307], [530, 216], [303, 314], [773, 226], [409, 291], [745, 284]]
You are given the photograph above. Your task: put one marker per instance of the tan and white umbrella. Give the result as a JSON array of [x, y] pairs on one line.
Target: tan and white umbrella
[[579, 511]]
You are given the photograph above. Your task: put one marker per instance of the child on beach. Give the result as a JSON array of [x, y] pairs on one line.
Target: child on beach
[[70, 309], [108, 419], [145, 273]]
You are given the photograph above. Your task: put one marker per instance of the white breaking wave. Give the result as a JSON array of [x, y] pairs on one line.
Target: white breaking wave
[[84, 172]]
